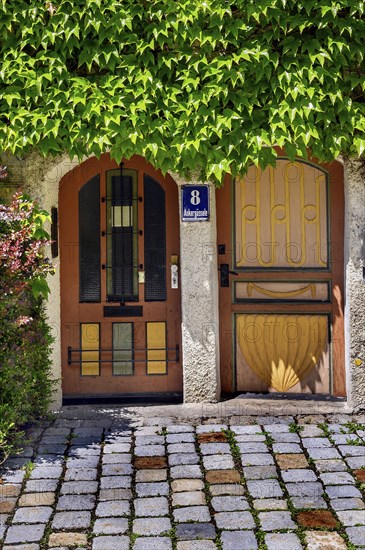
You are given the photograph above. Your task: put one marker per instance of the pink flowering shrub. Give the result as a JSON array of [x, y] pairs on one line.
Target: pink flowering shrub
[[25, 340]]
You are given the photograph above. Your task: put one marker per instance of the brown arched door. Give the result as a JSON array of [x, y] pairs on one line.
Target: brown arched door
[[280, 246], [120, 308]]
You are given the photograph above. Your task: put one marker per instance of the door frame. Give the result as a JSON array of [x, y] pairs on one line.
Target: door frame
[[80, 175], [228, 309]]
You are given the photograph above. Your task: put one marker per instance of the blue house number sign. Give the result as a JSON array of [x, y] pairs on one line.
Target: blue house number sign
[[195, 203]]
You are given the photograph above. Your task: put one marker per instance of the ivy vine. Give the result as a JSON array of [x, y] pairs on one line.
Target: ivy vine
[[191, 85]]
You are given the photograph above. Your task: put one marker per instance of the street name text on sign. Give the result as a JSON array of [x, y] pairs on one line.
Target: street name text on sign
[[195, 203]]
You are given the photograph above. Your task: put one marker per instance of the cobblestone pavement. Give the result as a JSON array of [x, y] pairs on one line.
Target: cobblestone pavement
[[113, 482]]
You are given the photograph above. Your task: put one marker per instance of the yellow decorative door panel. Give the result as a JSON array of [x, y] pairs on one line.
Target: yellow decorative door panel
[[281, 317]]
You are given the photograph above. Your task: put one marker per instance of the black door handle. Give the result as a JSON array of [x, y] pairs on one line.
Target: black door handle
[[225, 273]]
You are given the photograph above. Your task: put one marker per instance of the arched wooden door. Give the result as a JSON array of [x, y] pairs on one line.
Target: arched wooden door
[[280, 246], [121, 320]]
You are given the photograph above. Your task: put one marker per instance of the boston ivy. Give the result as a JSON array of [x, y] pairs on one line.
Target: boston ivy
[[209, 85]]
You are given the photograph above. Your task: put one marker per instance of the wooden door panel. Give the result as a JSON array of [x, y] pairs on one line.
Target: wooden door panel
[[74, 313], [284, 241]]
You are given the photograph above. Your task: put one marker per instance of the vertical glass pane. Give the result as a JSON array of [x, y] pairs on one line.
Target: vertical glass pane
[[154, 240], [89, 241], [122, 348], [156, 348], [122, 252], [90, 338]]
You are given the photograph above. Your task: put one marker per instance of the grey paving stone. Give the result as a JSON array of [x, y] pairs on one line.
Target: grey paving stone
[[285, 438], [252, 447], [117, 469], [342, 491], [14, 463], [24, 533], [347, 504], [83, 474], [195, 545], [79, 487], [309, 502], [193, 531], [148, 430], [316, 442], [229, 504], [207, 428], [25, 547], [278, 541], [76, 502], [218, 462], [337, 478], [111, 543], [150, 450], [83, 462], [149, 440], [276, 428], [355, 462], [180, 428], [234, 520], [192, 498], [259, 459], [51, 448], [286, 448], [246, 430], [32, 514], [115, 494], [185, 472], [270, 504], [352, 518], [184, 437], [48, 460], [226, 489], [112, 508], [184, 458], [151, 526], [266, 488], [260, 472], [250, 438], [215, 449], [309, 489], [117, 458], [2, 531], [153, 543], [299, 475], [85, 451], [155, 506], [335, 465], [352, 450], [238, 540], [70, 520], [117, 448], [12, 476], [192, 513], [115, 482], [271, 521], [323, 452], [3, 519], [152, 489], [356, 536], [151, 475], [343, 439], [110, 526], [181, 448], [46, 472], [41, 486]]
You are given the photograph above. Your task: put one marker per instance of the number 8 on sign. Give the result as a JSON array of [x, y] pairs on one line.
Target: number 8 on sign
[[195, 198]]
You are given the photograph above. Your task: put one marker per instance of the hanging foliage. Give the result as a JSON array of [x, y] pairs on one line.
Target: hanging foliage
[[210, 85]]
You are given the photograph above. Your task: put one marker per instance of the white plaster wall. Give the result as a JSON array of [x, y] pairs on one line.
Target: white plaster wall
[[199, 303], [42, 178], [354, 281]]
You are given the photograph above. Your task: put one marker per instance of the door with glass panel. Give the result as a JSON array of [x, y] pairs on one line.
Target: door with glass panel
[[120, 311], [281, 279]]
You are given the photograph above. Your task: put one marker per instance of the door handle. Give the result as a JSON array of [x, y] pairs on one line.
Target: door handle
[[225, 273]]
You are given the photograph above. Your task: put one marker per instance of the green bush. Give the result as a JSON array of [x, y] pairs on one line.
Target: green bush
[[25, 340]]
